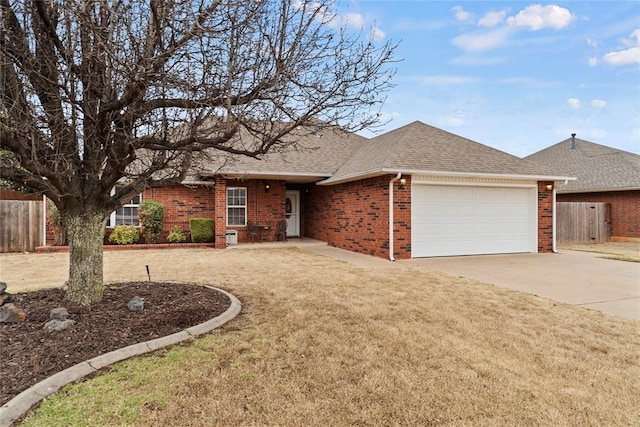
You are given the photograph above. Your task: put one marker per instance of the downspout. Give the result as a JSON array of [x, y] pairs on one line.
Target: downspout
[[554, 248], [397, 177]]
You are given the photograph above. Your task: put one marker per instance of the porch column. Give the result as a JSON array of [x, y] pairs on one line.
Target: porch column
[[220, 223]]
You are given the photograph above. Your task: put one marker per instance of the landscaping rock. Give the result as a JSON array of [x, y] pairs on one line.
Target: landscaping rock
[[58, 325], [9, 313], [3, 287], [5, 299], [59, 313], [136, 304]]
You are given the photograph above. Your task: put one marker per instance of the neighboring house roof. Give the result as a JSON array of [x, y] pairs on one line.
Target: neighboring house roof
[[418, 148], [597, 167], [332, 156]]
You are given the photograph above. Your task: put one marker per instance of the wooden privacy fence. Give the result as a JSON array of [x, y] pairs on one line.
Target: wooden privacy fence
[[583, 222], [20, 225]]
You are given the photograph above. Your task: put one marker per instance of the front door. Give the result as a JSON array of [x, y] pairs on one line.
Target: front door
[[292, 206]]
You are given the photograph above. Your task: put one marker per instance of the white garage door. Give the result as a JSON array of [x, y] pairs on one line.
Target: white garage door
[[461, 220]]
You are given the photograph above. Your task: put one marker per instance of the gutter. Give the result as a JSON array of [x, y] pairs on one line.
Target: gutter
[[397, 177], [384, 171], [554, 231]]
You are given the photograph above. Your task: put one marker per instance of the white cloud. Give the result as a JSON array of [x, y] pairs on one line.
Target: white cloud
[[356, 21], [353, 20], [478, 60], [454, 119], [462, 15], [626, 56], [623, 57], [443, 80], [573, 103], [377, 33], [593, 62], [598, 103], [592, 42], [480, 41], [537, 17], [387, 116], [634, 39], [491, 19]]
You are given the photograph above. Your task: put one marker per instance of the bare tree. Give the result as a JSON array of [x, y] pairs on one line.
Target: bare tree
[[99, 92]]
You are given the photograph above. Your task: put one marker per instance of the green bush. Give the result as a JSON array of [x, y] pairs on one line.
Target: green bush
[[124, 235], [151, 216], [201, 230], [176, 235]]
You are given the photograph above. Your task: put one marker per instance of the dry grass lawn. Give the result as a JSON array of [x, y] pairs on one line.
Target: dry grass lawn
[[321, 342], [624, 251]]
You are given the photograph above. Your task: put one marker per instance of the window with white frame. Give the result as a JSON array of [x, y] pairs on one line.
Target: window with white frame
[[127, 214], [236, 206]]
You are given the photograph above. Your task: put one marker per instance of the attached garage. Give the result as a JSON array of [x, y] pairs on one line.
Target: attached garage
[[472, 219]]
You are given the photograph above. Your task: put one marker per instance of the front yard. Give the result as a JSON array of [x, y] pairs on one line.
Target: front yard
[[322, 342], [623, 251]]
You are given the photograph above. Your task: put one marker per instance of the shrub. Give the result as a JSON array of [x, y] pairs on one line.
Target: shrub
[[55, 219], [124, 235], [176, 235], [201, 230], [151, 215]]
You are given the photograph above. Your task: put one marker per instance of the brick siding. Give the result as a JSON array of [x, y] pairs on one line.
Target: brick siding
[[352, 216], [545, 217], [180, 204], [184, 202], [264, 206], [625, 209], [355, 216]]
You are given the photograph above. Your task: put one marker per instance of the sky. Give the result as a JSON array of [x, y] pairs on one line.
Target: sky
[[517, 76]]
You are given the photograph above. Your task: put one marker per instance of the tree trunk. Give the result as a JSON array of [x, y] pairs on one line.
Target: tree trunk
[[85, 232]]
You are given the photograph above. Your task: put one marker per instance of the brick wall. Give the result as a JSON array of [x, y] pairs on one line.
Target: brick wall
[[264, 206], [355, 216], [182, 203], [545, 217], [625, 209]]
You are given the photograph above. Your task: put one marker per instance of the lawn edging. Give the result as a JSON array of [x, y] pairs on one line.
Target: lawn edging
[[57, 249], [23, 402]]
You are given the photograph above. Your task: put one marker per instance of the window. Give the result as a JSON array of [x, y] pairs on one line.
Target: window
[[236, 206], [127, 214]]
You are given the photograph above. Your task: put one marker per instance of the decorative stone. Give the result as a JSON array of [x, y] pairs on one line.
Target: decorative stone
[[9, 313], [136, 304], [3, 287], [5, 299], [59, 313], [54, 325]]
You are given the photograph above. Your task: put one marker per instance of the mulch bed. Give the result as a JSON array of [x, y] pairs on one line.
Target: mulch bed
[[28, 354]]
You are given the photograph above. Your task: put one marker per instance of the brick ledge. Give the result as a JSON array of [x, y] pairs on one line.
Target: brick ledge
[[53, 249]]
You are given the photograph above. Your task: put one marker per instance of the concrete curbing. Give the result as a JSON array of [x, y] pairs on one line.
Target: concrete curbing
[[23, 402]]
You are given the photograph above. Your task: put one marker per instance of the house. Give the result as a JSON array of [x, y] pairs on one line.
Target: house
[[416, 191], [604, 175]]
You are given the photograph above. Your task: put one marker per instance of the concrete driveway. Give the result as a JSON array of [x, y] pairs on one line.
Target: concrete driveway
[[579, 278]]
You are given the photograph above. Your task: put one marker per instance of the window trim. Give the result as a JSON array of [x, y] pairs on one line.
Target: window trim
[[244, 206], [111, 222]]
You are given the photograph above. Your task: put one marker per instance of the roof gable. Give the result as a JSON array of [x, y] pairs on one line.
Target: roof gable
[[418, 147], [597, 167]]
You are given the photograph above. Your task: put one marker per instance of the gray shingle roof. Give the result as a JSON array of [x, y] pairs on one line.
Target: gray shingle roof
[[316, 155], [418, 147], [597, 167], [338, 156]]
